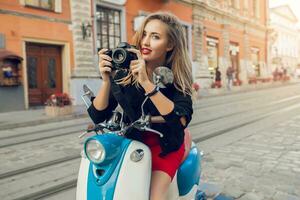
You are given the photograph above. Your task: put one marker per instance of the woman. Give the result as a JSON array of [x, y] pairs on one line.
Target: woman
[[161, 42]]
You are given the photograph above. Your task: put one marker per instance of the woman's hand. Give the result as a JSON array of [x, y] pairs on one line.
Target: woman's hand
[[104, 65], [138, 68]]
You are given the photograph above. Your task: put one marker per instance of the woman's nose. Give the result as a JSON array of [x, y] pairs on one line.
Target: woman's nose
[[146, 41]]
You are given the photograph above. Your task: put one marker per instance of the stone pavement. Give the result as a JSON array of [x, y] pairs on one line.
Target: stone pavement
[[263, 166]]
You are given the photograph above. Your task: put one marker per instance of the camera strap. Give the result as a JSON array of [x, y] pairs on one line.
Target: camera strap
[[119, 96]]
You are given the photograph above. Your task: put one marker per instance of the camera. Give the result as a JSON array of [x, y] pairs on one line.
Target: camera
[[121, 58]]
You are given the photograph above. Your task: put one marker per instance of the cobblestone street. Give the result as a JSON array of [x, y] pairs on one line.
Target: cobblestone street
[[262, 166]]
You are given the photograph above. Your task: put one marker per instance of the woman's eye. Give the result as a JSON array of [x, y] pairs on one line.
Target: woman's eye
[[155, 37]]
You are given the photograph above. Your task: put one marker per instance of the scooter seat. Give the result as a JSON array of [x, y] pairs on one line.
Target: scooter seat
[[189, 172]]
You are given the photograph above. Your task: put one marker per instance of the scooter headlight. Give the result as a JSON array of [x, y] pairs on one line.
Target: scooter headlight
[[95, 151]]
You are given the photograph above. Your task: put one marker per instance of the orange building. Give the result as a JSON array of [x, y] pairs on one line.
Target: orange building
[[39, 32], [230, 33]]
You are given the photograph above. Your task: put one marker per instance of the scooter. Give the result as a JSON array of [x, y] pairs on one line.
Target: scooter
[[114, 167]]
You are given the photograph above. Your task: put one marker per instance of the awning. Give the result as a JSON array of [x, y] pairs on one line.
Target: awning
[[5, 54]]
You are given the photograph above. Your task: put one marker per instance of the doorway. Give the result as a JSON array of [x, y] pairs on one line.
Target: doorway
[[44, 72]]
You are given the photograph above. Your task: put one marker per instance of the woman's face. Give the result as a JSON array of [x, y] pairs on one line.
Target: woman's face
[[154, 43]]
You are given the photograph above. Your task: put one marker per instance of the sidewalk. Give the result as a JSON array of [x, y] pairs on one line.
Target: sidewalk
[[33, 117], [204, 92]]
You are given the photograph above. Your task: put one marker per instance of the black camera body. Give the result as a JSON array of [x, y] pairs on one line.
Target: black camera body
[[121, 58]]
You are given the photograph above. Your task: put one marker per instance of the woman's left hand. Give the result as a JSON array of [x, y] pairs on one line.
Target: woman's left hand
[[138, 67]]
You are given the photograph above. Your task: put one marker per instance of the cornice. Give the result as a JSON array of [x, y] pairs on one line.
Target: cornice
[[32, 16], [223, 15]]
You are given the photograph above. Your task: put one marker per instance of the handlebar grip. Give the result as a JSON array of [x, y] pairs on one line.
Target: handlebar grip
[[157, 119]]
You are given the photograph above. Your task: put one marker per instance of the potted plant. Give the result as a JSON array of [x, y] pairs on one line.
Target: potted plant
[[58, 104]]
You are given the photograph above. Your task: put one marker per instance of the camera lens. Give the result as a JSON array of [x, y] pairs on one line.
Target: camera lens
[[119, 56]]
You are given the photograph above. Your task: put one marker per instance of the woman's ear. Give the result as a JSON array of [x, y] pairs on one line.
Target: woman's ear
[[170, 47]]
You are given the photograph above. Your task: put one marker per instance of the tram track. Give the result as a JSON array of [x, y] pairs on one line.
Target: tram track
[[69, 184], [50, 191], [38, 166], [39, 131], [72, 184], [40, 138], [191, 125]]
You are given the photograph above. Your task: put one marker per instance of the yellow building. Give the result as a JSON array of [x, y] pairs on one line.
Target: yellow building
[[230, 33]]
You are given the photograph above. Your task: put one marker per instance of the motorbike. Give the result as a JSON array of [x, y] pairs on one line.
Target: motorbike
[[114, 167]]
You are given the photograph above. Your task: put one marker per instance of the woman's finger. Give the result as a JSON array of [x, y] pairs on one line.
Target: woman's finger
[[102, 51], [104, 63], [135, 72], [134, 62], [105, 69], [105, 57]]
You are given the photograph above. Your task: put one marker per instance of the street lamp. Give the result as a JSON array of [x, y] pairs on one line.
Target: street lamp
[[86, 29]]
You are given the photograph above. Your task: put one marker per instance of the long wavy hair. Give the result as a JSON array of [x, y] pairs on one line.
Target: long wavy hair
[[177, 59]]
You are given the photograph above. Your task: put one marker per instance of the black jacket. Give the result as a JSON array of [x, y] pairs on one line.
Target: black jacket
[[172, 130]]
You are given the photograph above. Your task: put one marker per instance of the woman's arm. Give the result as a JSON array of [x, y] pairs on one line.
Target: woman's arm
[[179, 110], [102, 99], [103, 105]]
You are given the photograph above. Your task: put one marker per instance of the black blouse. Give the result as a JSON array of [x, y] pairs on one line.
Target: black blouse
[[172, 129]]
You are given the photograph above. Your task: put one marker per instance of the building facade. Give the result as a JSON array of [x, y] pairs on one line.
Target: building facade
[[39, 33], [230, 33], [284, 50]]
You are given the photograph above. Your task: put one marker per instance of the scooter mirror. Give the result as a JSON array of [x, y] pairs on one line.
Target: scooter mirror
[[87, 92], [162, 76]]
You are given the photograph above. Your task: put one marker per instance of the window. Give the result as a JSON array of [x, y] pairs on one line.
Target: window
[[212, 54], [43, 4], [255, 61], [108, 28], [255, 6]]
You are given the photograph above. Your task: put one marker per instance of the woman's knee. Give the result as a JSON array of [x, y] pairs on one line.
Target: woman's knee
[[160, 182]]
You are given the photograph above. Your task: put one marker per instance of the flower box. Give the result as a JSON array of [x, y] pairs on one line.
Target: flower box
[[54, 111], [58, 104]]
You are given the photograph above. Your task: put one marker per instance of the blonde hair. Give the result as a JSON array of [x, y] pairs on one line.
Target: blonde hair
[[177, 59]]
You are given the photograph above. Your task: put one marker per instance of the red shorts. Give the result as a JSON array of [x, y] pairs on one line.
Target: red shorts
[[169, 163]]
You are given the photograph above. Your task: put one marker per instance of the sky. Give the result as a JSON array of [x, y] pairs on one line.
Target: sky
[[294, 5]]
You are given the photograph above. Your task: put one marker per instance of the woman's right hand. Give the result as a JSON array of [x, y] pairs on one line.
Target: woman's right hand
[[104, 65]]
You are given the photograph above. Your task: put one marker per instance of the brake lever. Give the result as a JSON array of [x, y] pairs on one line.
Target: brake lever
[[98, 127], [154, 131]]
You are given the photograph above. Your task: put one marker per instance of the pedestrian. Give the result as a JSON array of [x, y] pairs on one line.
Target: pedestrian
[[229, 74], [160, 41], [218, 78]]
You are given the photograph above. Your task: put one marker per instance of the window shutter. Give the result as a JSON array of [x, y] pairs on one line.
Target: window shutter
[[58, 6]]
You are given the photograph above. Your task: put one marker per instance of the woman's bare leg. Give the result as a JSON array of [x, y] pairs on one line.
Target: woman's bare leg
[[160, 182]]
